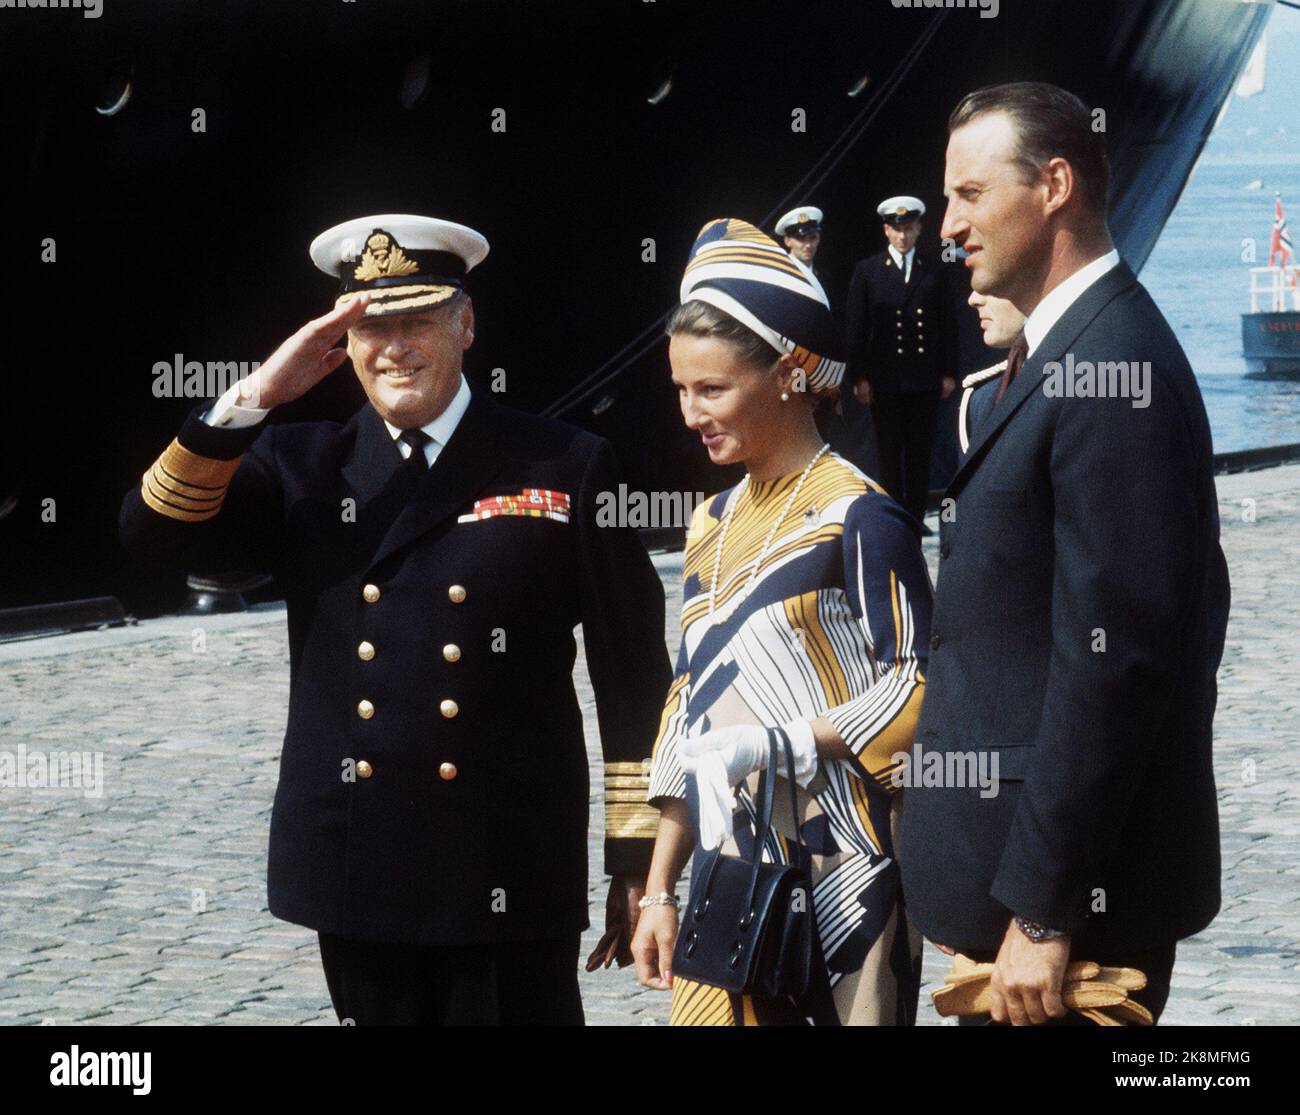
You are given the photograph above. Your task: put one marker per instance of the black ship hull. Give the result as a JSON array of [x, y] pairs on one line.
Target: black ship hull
[[624, 124]]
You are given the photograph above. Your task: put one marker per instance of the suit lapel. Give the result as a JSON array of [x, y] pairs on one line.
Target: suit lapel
[[375, 463], [466, 464], [1053, 347]]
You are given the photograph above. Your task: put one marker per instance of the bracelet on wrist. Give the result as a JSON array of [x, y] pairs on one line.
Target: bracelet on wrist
[[663, 898]]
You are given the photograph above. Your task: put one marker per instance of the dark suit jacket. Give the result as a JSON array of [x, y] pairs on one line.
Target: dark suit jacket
[[497, 852], [1077, 520], [900, 335]]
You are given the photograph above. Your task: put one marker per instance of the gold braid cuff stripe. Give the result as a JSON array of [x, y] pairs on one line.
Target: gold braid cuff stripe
[[628, 819], [182, 485]]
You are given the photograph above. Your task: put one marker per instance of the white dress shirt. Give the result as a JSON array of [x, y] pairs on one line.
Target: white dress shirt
[[1062, 296], [903, 262], [228, 415]]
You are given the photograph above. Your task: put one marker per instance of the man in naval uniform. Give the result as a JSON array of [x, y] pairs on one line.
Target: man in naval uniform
[[800, 231], [900, 335], [435, 553], [847, 424]]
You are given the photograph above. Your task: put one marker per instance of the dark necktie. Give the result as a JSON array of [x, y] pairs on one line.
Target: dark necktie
[[416, 465], [1015, 358]]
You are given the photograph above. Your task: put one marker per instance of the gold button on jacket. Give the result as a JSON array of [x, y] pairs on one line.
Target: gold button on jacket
[[365, 710], [451, 652], [447, 771], [370, 593], [456, 593], [449, 708], [364, 769], [366, 651]]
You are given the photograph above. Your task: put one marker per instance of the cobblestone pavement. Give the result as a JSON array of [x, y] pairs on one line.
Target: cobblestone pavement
[[147, 904]]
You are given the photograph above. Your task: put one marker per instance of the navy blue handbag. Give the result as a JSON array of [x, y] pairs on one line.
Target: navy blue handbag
[[747, 926]]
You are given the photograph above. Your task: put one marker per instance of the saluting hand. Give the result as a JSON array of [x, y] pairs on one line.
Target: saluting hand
[[304, 359]]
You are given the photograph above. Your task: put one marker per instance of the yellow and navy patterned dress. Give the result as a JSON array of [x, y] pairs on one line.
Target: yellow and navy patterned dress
[[836, 624]]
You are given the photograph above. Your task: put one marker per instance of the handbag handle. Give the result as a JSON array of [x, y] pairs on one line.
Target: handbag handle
[[763, 826]]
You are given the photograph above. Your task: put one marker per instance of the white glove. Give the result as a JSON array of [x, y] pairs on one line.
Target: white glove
[[722, 759]]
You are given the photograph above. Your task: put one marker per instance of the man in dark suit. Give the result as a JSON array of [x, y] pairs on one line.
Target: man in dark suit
[[1082, 595], [900, 333], [435, 553]]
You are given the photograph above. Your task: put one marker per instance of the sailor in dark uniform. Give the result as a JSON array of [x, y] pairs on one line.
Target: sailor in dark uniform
[[435, 552], [800, 231], [900, 331], [845, 423]]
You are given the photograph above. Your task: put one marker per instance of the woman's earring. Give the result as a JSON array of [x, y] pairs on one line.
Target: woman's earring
[[785, 396]]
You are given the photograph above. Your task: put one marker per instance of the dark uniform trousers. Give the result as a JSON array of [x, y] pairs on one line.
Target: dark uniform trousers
[[899, 338], [519, 983], [430, 820], [904, 441]]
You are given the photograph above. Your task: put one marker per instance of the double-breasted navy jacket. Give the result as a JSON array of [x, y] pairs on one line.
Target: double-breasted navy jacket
[[433, 780]]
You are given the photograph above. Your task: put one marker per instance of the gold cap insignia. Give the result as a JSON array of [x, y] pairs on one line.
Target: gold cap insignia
[[383, 258]]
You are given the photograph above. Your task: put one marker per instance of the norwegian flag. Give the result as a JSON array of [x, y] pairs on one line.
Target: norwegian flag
[[1279, 247]]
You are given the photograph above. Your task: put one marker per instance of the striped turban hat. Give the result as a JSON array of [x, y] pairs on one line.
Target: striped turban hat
[[747, 274]]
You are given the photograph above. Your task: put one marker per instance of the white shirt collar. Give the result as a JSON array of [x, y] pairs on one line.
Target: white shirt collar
[[899, 259], [442, 427], [1062, 296]]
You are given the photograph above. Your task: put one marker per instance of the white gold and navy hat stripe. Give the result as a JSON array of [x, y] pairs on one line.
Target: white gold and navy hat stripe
[[747, 274]]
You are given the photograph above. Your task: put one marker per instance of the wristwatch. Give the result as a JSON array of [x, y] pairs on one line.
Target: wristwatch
[[1035, 932], [663, 898]]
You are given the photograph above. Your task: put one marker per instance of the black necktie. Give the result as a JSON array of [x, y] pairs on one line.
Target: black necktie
[[416, 465]]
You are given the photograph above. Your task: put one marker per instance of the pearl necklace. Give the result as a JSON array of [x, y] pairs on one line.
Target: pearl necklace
[[771, 534]]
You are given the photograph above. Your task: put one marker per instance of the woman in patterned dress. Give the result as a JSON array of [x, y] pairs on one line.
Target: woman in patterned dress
[[806, 605]]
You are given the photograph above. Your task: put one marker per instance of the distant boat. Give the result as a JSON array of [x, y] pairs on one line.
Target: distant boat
[[1258, 184], [1270, 333]]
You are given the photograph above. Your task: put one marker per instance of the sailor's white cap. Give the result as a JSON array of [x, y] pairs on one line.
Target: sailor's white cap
[[901, 209], [800, 222]]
